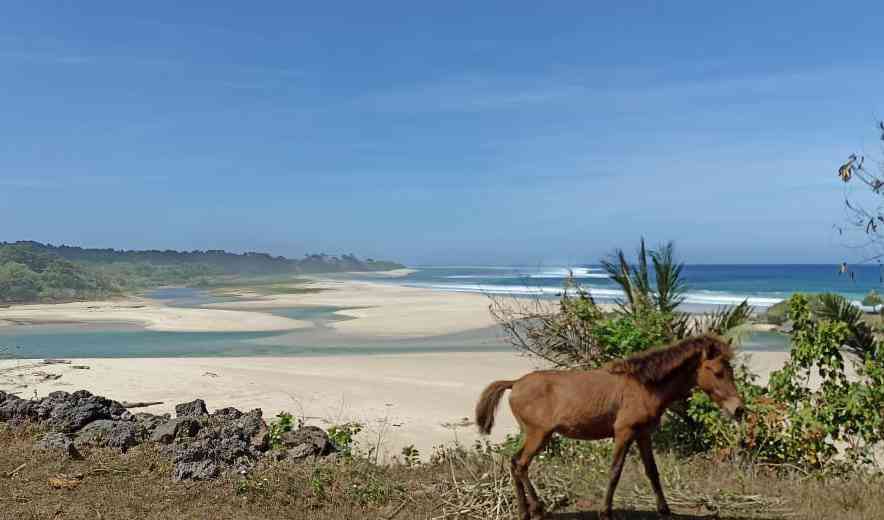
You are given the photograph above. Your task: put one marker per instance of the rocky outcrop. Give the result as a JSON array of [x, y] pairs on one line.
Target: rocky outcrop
[[225, 440], [305, 442], [203, 445], [196, 408], [111, 434], [62, 411]]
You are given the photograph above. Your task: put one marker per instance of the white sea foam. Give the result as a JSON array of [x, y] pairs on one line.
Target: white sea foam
[[696, 297], [577, 272], [559, 272]]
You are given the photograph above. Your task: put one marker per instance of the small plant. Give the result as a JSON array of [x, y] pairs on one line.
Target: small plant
[[343, 436], [410, 455], [318, 482], [284, 422]]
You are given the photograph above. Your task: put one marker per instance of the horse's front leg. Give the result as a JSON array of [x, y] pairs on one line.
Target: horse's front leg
[[647, 452], [622, 441]]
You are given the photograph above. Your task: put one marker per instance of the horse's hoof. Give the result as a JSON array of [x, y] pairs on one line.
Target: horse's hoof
[[664, 512]]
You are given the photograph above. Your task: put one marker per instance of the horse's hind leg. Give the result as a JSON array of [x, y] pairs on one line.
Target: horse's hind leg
[[534, 442], [520, 486]]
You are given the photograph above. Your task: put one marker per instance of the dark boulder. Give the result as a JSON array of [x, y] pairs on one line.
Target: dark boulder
[[228, 441], [195, 408], [66, 412], [112, 434], [167, 432], [149, 422], [16, 409], [306, 442]]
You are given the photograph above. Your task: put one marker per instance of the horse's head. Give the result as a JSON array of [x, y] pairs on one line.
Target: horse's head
[[715, 376]]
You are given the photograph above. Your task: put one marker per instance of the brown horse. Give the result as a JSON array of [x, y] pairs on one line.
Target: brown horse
[[623, 400]]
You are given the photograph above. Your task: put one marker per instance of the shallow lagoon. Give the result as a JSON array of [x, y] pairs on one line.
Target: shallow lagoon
[[72, 340]]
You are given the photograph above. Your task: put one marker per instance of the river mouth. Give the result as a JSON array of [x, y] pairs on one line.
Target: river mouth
[[111, 340]]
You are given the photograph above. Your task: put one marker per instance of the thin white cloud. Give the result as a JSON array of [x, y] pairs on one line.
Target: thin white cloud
[[490, 93]]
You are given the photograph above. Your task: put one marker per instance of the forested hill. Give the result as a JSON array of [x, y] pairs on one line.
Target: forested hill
[[215, 259], [35, 272]]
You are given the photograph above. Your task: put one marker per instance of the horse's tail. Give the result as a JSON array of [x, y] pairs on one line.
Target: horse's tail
[[487, 404]]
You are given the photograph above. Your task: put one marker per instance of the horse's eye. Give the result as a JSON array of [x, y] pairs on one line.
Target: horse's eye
[[719, 374]]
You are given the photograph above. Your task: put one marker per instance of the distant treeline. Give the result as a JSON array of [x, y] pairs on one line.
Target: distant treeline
[[31, 271]]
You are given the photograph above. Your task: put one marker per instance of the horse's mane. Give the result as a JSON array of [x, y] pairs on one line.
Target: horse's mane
[[656, 364]]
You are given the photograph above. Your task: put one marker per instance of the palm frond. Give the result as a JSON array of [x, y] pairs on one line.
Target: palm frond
[[621, 273], [730, 322], [670, 287], [835, 307]]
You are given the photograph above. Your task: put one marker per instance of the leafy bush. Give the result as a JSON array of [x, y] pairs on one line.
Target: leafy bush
[[788, 420], [343, 436], [576, 333], [284, 422]]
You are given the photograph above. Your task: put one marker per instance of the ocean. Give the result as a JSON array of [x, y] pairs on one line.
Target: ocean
[[708, 285]]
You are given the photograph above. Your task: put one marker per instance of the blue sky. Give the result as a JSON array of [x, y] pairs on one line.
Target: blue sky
[[469, 132]]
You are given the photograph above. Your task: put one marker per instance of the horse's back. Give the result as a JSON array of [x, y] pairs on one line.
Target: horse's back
[[581, 404]]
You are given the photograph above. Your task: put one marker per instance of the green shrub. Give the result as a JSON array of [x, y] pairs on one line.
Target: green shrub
[[343, 436], [787, 421], [284, 422]]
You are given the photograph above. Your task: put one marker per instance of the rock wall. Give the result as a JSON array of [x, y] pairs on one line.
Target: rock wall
[[202, 445]]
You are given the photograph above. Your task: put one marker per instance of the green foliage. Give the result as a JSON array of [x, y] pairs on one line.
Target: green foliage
[[28, 276], [411, 456], [343, 436], [834, 307], [18, 283], [284, 422], [213, 260], [581, 335], [627, 334], [806, 411], [31, 271]]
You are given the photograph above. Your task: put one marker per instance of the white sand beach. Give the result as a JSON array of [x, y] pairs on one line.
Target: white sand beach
[[382, 310], [151, 315], [423, 400], [420, 399]]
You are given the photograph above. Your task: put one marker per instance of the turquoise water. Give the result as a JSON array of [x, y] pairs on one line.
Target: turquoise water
[[71, 341], [108, 340], [84, 341]]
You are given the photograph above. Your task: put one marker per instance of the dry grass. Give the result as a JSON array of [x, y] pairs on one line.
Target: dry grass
[[457, 485]]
